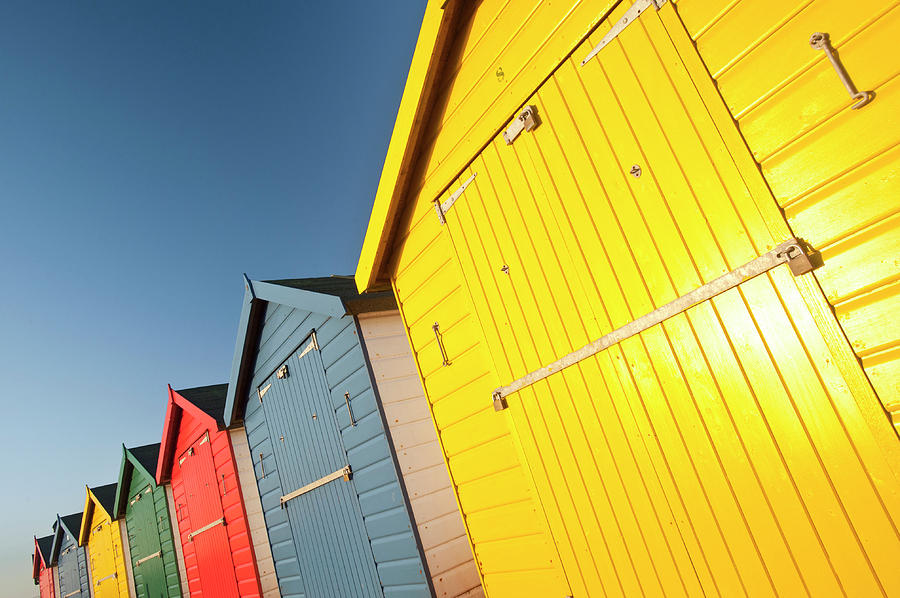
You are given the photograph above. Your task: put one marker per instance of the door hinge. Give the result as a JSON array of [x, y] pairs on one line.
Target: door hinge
[[443, 208], [526, 120], [260, 392], [633, 12]]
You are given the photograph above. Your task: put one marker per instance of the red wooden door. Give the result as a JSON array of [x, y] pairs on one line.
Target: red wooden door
[[208, 533]]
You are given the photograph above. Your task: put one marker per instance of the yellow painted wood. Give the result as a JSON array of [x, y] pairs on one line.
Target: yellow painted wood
[[106, 554], [834, 171], [735, 449]]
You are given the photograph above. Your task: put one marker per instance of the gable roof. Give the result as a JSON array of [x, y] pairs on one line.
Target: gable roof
[[144, 459], [204, 402], [333, 296], [69, 524], [415, 104], [42, 549], [105, 497]]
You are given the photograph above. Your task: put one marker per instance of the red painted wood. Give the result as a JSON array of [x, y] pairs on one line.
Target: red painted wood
[[47, 589], [231, 549]]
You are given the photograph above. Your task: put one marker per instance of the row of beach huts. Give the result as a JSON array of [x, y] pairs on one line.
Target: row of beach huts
[[623, 323]]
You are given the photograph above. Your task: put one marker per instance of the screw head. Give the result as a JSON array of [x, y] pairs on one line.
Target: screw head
[[635, 171]]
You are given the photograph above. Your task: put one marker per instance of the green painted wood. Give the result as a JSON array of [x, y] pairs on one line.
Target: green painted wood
[[149, 532]]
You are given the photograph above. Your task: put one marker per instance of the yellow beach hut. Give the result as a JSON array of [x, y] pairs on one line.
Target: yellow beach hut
[[105, 541], [645, 256]]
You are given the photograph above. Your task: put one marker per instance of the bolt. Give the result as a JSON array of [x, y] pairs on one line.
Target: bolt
[[635, 171], [505, 269]]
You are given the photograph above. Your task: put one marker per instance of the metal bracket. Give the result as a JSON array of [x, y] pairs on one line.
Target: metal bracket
[[313, 344], [820, 41], [147, 558], [344, 473], [443, 208], [260, 392], [790, 252], [206, 527], [282, 372], [526, 120], [633, 12]]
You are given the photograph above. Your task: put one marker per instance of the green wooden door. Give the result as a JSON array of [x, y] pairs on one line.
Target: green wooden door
[[146, 551]]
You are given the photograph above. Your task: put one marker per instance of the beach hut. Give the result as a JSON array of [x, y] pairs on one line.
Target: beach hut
[[197, 457], [70, 558], [144, 506], [104, 539], [42, 572], [609, 227], [344, 452]]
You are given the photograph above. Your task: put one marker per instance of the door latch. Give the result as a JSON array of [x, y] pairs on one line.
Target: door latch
[[821, 41], [526, 120]]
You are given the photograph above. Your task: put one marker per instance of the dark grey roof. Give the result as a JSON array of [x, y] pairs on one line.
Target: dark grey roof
[[147, 456], [209, 399], [73, 523], [45, 545], [343, 287], [106, 496]]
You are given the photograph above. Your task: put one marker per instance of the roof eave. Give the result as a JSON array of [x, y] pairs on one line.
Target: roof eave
[[169, 438], [257, 295], [411, 119], [125, 470], [86, 518]]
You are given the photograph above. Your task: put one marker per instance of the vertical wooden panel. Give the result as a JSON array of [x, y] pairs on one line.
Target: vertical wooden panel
[[255, 519], [443, 535], [179, 552]]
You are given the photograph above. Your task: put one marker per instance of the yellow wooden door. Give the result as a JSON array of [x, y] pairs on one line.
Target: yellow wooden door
[[104, 569], [736, 447]]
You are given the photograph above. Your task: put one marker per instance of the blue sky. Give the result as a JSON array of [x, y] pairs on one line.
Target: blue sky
[[149, 154]]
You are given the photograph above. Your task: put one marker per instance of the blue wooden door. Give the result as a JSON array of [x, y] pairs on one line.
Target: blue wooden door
[[333, 548], [69, 575]]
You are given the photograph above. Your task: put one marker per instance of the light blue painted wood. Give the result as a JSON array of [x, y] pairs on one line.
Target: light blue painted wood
[[72, 567], [368, 515]]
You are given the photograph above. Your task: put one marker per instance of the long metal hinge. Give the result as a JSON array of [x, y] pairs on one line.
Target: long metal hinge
[[260, 392], [313, 345], [149, 557], [633, 12], [206, 527], [526, 120], [344, 472], [790, 252], [442, 208]]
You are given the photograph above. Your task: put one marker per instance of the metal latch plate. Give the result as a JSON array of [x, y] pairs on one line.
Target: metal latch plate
[[526, 120]]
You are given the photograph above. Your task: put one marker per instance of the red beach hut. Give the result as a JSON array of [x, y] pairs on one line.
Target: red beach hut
[[197, 459]]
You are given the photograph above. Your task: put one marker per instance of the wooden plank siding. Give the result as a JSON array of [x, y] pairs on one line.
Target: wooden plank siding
[[443, 535], [833, 170], [376, 483], [735, 449], [179, 552], [253, 509]]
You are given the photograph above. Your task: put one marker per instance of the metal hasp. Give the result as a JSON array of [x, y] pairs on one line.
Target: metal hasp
[[282, 372], [526, 120], [102, 579], [206, 527], [443, 208], [344, 472], [790, 252], [633, 12], [440, 343], [821, 41], [349, 409]]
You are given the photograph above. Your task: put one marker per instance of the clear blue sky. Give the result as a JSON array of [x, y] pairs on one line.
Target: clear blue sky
[[149, 154]]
